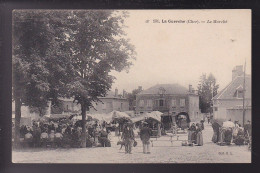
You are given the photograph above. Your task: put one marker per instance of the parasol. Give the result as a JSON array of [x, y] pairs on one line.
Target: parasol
[[156, 115], [117, 114], [44, 118], [218, 122], [228, 124], [138, 118], [98, 117]]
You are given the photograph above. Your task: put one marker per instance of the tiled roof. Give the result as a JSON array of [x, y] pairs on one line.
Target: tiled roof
[[229, 91], [169, 89], [110, 94]]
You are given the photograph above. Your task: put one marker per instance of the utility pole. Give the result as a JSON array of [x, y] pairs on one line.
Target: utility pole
[[244, 90]]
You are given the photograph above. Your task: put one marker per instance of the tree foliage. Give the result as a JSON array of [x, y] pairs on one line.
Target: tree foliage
[[67, 53], [39, 66], [207, 89], [98, 46]]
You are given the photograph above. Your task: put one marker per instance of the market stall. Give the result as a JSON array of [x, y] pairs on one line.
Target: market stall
[[117, 120], [182, 120], [154, 122]]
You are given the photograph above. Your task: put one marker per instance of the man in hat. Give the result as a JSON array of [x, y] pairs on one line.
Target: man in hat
[[145, 134], [128, 137]]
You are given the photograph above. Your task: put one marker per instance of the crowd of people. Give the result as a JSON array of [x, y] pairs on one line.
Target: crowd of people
[[195, 133], [63, 134], [128, 137], [231, 134]]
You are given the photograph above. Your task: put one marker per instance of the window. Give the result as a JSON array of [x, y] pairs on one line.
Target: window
[[141, 103], [160, 102], [67, 107], [109, 105], [149, 103], [174, 103], [157, 102], [182, 102], [121, 106], [239, 94], [161, 91], [215, 108], [104, 106]]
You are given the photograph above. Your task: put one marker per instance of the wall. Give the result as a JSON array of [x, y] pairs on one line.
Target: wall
[[194, 111], [191, 104], [109, 105], [25, 113], [237, 115], [223, 105]]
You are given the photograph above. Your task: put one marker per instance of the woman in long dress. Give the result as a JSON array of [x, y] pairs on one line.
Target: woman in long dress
[[191, 132], [199, 129], [117, 130], [159, 130]]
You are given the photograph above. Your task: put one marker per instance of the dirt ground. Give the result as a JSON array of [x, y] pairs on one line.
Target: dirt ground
[[163, 151]]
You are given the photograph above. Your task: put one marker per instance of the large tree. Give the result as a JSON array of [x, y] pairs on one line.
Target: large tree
[[207, 89], [98, 45], [39, 66], [66, 53]]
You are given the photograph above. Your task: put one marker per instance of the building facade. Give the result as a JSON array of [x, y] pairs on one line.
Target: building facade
[[112, 101], [228, 103], [170, 99]]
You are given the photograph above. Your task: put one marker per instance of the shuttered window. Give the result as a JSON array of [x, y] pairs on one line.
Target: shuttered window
[[182, 102]]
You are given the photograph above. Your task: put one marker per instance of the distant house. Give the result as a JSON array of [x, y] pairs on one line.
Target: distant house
[[228, 103], [67, 106], [170, 99], [112, 101], [27, 114]]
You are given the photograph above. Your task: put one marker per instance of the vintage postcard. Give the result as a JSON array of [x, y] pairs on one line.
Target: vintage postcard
[[131, 86]]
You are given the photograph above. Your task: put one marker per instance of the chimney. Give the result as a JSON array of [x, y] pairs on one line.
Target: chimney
[[116, 92], [190, 88], [140, 88], [237, 71], [124, 94]]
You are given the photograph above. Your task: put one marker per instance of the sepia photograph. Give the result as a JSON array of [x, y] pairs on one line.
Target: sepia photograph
[[131, 86]]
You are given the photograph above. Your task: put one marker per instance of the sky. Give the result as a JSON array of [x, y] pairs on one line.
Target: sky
[[182, 52]]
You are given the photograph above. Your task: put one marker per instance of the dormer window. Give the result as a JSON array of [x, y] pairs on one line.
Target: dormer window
[[161, 91], [239, 92]]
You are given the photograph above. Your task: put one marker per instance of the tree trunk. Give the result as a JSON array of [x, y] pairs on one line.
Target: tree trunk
[[83, 135], [17, 121]]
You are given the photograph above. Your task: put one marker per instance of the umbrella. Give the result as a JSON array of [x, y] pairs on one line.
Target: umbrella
[[59, 116], [139, 118], [117, 114], [228, 124], [98, 117], [218, 122], [77, 117], [156, 115], [44, 118]]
